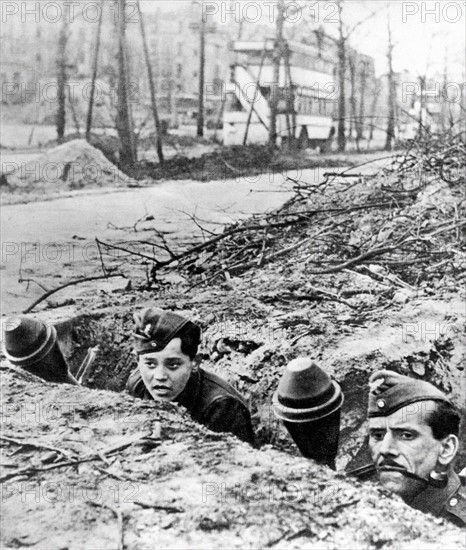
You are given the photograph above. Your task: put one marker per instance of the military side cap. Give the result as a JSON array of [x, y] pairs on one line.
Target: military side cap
[[390, 391], [306, 393], [156, 327]]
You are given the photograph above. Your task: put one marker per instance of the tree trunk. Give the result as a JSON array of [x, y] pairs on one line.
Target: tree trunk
[[94, 73], [62, 79], [391, 94], [362, 106], [289, 98], [375, 99], [200, 110], [251, 110], [422, 86], [277, 56], [125, 130], [151, 86], [353, 116], [341, 47]]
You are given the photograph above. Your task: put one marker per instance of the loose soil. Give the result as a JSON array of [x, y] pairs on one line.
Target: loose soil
[[184, 487], [144, 474]]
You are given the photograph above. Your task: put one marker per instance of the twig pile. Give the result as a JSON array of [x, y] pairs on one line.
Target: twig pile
[[440, 155], [408, 220], [404, 225]]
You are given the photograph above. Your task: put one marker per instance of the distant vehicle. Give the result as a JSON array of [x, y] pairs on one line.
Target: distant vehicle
[[306, 97]]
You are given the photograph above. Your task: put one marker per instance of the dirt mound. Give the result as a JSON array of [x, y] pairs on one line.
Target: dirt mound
[[88, 469], [73, 165], [234, 162]]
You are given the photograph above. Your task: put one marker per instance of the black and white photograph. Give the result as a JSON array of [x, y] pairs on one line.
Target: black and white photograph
[[233, 274]]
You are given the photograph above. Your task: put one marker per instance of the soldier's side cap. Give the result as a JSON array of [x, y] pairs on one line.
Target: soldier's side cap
[[306, 393], [155, 327], [390, 391]]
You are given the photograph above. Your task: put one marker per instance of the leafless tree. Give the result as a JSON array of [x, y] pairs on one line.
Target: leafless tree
[[94, 73], [158, 127], [344, 34], [362, 104], [62, 78], [391, 91], [277, 58], [124, 122]]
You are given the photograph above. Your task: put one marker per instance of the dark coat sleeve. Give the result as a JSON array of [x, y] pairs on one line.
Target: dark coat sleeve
[[227, 414]]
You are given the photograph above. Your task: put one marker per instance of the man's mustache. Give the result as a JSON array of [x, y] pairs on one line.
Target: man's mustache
[[389, 464]]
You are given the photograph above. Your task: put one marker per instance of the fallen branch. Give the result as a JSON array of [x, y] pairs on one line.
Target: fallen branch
[[354, 261], [29, 470], [69, 283], [24, 443], [99, 455], [165, 508]]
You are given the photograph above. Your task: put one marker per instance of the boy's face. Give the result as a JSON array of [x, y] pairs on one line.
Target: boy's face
[[166, 372]]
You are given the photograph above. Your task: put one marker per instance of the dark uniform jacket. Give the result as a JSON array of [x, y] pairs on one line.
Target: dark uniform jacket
[[210, 400], [448, 502]]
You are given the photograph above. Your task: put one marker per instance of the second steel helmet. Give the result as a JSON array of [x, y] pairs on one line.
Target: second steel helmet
[[306, 393]]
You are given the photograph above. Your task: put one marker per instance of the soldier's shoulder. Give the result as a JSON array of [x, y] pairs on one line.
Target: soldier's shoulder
[[218, 386], [455, 507]]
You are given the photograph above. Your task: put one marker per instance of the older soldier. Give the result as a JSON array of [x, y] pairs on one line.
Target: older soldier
[[413, 433], [413, 438], [166, 345]]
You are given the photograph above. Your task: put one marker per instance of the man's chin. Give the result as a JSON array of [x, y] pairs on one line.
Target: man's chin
[[392, 479], [397, 483]]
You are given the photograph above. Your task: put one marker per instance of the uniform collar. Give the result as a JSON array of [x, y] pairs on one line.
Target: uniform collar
[[433, 500]]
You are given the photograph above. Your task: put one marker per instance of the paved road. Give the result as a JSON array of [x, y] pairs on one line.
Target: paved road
[[51, 242]]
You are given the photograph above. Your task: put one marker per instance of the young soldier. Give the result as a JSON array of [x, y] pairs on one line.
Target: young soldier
[[166, 345], [413, 438]]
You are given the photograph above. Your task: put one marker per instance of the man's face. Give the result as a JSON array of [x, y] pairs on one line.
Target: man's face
[[165, 373], [401, 442]]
